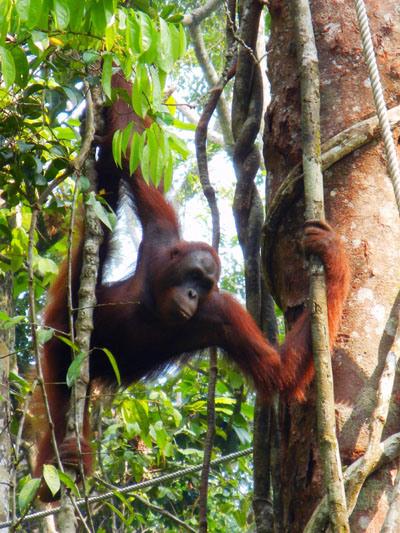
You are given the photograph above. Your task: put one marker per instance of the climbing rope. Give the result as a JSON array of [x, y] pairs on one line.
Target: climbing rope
[[135, 486], [370, 59]]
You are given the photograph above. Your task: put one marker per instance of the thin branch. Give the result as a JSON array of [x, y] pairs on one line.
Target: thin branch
[[201, 142], [193, 118], [163, 512], [209, 440], [314, 202], [201, 13], [34, 335], [76, 164], [209, 192], [209, 71]]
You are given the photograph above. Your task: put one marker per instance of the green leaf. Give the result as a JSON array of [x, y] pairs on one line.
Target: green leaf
[[132, 34], [74, 369], [21, 67], [153, 149], [140, 91], [116, 146], [137, 95], [166, 11], [107, 74], [243, 434], [90, 56], [126, 137], [52, 479], [148, 39], [98, 17], [221, 400], [187, 126], [56, 165], [40, 40], [101, 212], [156, 90], [83, 184], [168, 172], [7, 66], [61, 13], [110, 36], [136, 149], [45, 334], [145, 163], [114, 364], [117, 512], [19, 380], [5, 10], [146, 31], [68, 482], [182, 40], [175, 41], [23, 9], [8, 322], [68, 342], [178, 145], [44, 265], [177, 417], [28, 493], [165, 58]]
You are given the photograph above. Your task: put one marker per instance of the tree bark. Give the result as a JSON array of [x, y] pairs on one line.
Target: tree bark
[[6, 348], [360, 204]]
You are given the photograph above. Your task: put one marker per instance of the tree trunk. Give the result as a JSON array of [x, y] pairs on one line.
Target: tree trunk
[[6, 348], [360, 204]]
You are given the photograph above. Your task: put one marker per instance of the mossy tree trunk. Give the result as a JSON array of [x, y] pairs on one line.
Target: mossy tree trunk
[[6, 349]]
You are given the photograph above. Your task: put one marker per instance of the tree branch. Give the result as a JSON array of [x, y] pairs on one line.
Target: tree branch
[[207, 67], [314, 203], [209, 193]]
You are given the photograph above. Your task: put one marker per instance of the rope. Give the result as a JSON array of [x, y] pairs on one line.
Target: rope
[[377, 91], [135, 486]]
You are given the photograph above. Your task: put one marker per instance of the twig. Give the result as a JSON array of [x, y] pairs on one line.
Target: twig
[[209, 193], [193, 21], [35, 340], [209, 440], [163, 512], [193, 118], [75, 165], [201, 142], [314, 201], [201, 13]]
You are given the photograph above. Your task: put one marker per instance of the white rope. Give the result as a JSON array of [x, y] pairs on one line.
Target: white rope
[[370, 59]]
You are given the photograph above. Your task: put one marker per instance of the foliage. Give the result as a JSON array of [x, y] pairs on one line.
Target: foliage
[[160, 427]]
